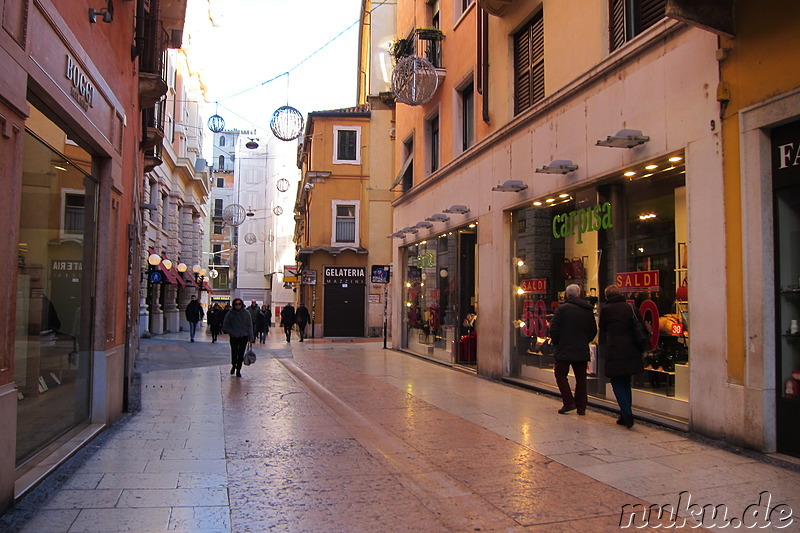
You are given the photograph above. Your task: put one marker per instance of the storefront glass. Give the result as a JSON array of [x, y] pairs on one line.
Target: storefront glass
[[54, 286], [628, 230], [440, 318]]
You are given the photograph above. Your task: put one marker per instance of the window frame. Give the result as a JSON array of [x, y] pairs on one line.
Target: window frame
[[63, 233], [336, 160], [335, 204], [637, 16], [466, 115], [433, 142]]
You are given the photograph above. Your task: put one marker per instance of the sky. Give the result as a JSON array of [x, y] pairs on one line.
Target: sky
[[254, 41]]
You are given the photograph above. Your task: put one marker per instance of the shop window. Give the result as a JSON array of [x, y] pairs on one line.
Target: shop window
[[629, 230], [345, 223], [529, 64], [467, 102], [347, 145], [55, 288], [629, 18]]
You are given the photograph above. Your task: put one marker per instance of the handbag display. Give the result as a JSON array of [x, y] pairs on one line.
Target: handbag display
[[249, 355], [572, 268]]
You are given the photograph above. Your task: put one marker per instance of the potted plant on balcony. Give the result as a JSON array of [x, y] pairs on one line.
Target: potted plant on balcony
[[429, 34], [400, 48]]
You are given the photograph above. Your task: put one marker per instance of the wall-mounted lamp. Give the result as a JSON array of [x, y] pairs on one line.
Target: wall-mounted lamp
[[458, 208], [624, 139], [438, 217], [558, 166], [107, 13], [510, 186], [424, 224], [396, 235], [251, 144], [410, 230], [443, 273]]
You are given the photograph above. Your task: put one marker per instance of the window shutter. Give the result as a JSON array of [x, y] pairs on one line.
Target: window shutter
[[617, 23], [650, 12], [529, 64]]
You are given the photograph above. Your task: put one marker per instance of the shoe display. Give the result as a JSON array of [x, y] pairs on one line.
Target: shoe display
[[566, 409]]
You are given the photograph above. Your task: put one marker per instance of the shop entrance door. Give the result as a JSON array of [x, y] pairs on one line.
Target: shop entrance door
[[344, 311]]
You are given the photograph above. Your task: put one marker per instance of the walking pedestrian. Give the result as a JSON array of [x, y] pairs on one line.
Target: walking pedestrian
[[239, 326], [194, 313], [623, 357], [287, 320], [215, 317], [302, 317], [254, 310], [572, 329], [264, 320]]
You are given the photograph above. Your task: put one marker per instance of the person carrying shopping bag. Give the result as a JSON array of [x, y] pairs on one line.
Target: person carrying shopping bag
[[238, 324]]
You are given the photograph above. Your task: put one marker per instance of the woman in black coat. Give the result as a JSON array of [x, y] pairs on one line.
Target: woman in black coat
[[215, 317], [623, 358]]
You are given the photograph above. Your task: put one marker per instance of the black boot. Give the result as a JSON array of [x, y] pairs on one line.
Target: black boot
[[629, 421], [233, 369], [621, 420]]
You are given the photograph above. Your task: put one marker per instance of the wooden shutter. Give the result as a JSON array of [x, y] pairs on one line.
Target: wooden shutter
[[617, 23], [529, 64], [650, 12]]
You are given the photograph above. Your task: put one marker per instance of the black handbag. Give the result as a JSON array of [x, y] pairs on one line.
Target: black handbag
[[640, 334]]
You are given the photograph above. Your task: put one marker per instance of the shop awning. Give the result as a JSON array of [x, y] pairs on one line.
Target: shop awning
[[189, 279], [171, 274], [207, 287], [403, 169]]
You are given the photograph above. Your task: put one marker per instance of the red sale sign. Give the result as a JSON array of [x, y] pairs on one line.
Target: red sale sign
[[534, 286], [647, 280]]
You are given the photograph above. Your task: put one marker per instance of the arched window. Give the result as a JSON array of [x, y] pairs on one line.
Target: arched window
[[222, 140], [222, 162]]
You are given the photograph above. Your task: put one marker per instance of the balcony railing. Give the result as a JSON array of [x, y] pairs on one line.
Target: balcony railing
[[151, 44], [426, 42], [153, 125], [153, 157]]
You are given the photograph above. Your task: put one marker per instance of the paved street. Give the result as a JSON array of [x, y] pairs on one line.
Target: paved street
[[348, 437]]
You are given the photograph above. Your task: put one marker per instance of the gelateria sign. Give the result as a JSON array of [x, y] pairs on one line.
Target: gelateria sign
[[582, 221], [81, 89]]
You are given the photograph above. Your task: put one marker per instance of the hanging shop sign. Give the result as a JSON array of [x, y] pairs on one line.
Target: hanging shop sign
[[309, 277], [290, 273], [534, 286], [337, 275], [582, 221], [645, 281], [380, 274]]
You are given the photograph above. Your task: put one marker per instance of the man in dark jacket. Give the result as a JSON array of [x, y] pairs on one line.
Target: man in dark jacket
[[194, 313], [254, 311], [302, 317], [572, 329], [287, 320]]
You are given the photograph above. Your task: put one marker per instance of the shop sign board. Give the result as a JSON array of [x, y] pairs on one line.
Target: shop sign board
[[647, 280], [374, 298], [381, 274], [786, 153], [582, 221], [534, 286], [308, 277], [339, 275], [290, 273]]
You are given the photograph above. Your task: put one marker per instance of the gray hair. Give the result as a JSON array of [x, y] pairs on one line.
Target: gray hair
[[573, 291]]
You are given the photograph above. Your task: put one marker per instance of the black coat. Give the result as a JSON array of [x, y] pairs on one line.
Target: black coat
[[263, 321], [623, 358], [572, 329], [287, 316], [194, 311], [301, 316]]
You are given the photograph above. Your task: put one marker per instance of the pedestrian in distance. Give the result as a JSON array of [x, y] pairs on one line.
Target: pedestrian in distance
[[302, 317], [263, 322], [287, 320], [623, 357], [194, 314], [254, 310], [238, 325], [215, 317], [572, 329]]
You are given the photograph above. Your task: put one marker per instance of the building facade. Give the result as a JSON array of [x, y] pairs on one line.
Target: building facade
[[71, 101], [544, 160], [339, 212]]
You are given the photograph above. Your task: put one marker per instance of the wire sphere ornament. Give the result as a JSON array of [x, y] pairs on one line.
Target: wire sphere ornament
[[250, 238], [271, 237], [216, 123], [213, 274], [414, 80], [278, 210], [262, 237], [286, 123], [234, 215], [283, 185]]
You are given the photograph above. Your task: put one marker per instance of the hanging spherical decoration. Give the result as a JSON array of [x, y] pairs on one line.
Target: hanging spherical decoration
[[216, 123], [250, 238], [271, 237], [414, 80], [278, 210], [234, 215], [283, 185], [286, 123], [262, 237]]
